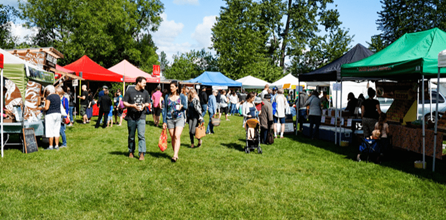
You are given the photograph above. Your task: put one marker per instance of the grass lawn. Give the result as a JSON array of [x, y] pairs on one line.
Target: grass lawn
[[293, 179]]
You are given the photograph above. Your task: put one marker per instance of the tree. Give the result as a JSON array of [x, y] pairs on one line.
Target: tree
[[106, 31], [376, 44], [163, 61], [257, 37], [7, 15], [400, 17], [190, 65]]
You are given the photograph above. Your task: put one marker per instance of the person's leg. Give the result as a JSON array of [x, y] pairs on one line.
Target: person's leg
[[105, 120], [172, 137], [210, 126], [62, 134], [70, 111], [226, 113], [98, 122], [275, 126], [311, 125], [318, 123], [178, 131], [131, 126], [50, 141], [141, 126], [192, 125], [282, 121], [263, 135]]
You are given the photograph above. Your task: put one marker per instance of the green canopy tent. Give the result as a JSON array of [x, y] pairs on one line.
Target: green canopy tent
[[413, 56], [410, 57]]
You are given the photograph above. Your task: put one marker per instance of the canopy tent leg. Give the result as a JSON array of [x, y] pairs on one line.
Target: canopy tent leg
[[430, 95], [336, 112], [297, 104], [424, 123], [340, 116], [436, 120]]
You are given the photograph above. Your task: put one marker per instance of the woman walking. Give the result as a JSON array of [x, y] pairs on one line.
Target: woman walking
[[52, 117], [175, 105], [194, 116], [234, 100], [315, 113], [370, 111], [249, 109], [280, 112]]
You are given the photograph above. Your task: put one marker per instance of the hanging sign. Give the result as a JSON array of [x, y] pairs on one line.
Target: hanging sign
[[323, 119], [75, 82], [337, 86], [349, 122], [156, 70], [1, 61], [342, 121], [332, 121]]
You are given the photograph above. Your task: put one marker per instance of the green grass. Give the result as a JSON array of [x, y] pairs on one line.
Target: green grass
[[293, 179]]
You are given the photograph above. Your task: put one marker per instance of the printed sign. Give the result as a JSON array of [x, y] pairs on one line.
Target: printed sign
[[342, 121], [349, 122], [323, 119], [1, 61], [332, 121], [75, 82], [156, 70], [50, 60], [41, 75]]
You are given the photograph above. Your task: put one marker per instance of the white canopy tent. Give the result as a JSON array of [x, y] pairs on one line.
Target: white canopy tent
[[250, 82], [288, 79]]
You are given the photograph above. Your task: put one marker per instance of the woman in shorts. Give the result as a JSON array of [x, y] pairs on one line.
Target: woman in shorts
[[52, 117], [174, 108]]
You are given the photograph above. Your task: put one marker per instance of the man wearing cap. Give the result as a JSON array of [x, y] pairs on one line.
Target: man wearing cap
[[266, 118], [203, 101], [101, 93]]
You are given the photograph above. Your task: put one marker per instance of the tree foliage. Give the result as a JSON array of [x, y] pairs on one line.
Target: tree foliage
[[190, 65], [107, 31], [399, 17], [7, 15], [377, 44], [257, 37]]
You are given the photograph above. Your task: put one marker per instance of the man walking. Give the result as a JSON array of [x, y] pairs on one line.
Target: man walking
[[84, 103], [71, 103], [136, 99], [203, 101], [266, 118], [104, 104]]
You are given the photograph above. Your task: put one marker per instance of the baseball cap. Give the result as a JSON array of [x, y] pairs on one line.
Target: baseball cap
[[105, 87], [275, 89]]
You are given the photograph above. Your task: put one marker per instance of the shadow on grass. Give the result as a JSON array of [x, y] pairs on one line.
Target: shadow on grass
[[235, 146], [119, 153], [158, 155], [396, 158]]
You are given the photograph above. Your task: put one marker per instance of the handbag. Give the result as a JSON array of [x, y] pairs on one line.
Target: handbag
[[121, 105], [270, 138], [162, 142], [66, 120], [200, 131], [215, 121]]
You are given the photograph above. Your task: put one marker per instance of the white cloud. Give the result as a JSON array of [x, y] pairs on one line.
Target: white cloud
[[21, 32], [185, 2], [165, 36], [203, 32]]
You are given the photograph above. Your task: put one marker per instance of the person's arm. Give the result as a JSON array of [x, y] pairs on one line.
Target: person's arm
[[126, 104], [183, 102], [362, 111], [378, 108], [197, 107], [245, 110], [387, 129], [165, 112], [99, 102], [46, 107], [307, 103]]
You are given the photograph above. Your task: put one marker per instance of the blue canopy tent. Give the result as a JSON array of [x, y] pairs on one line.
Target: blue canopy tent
[[215, 79]]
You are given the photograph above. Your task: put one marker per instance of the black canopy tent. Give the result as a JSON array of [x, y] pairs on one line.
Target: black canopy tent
[[332, 71]]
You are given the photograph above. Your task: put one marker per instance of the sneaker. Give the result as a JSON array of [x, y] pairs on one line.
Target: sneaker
[[63, 146], [358, 158], [49, 148], [56, 148]]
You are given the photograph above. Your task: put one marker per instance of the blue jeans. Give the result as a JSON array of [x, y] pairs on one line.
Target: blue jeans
[[204, 108], [62, 134], [210, 128], [132, 125], [70, 112], [233, 108]]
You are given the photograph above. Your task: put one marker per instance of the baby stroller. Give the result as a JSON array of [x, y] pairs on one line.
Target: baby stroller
[[370, 147], [253, 136]]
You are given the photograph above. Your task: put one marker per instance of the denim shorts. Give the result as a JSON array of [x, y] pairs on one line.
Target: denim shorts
[[281, 120], [173, 123]]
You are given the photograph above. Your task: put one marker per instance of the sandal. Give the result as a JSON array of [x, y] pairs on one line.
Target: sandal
[[199, 144], [192, 146], [174, 159]]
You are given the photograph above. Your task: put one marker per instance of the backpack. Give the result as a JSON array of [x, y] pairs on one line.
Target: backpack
[[274, 107]]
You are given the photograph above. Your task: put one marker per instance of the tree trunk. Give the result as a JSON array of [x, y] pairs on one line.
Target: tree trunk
[[285, 36]]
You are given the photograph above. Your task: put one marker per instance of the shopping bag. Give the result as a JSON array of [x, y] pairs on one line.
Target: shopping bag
[[162, 143], [200, 131], [66, 120], [215, 121]]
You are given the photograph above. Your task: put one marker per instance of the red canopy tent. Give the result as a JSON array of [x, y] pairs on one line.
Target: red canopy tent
[[93, 71], [131, 72]]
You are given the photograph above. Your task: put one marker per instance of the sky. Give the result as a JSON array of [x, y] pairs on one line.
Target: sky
[[187, 23]]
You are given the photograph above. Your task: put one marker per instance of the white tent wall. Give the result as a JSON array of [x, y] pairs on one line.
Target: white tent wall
[[347, 87]]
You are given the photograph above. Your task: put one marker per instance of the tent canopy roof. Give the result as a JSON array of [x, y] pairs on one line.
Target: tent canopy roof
[[93, 71], [215, 79], [250, 82], [131, 72], [412, 55], [332, 71], [288, 79]]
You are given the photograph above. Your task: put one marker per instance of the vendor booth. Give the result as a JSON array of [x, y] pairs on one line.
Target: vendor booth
[[412, 57], [215, 79], [23, 84], [91, 71], [250, 82]]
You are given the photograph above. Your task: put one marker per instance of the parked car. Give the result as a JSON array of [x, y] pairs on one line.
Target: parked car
[[385, 104]]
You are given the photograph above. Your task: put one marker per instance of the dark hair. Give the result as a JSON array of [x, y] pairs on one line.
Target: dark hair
[[315, 93], [371, 92], [140, 79], [176, 84], [361, 96], [250, 96], [351, 96]]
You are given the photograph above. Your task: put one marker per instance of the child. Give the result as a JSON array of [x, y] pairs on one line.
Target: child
[[375, 134], [110, 118], [383, 127]]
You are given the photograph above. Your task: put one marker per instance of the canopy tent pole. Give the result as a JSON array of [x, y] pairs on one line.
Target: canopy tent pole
[[340, 116], [424, 123], [430, 94], [436, 120], [336, 112], [297, 104], [2, 111]]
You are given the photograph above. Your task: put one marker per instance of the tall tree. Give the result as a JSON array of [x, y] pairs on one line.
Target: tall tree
[[191, 64], [163, 61], [7, 16], [107, 31], [376, 43], [256, 37], [399, 17]]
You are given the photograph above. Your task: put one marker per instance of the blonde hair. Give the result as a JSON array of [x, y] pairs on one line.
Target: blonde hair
[[192, 93]]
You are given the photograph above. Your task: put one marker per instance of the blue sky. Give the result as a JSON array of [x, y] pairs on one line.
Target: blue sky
[[187, 23]]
